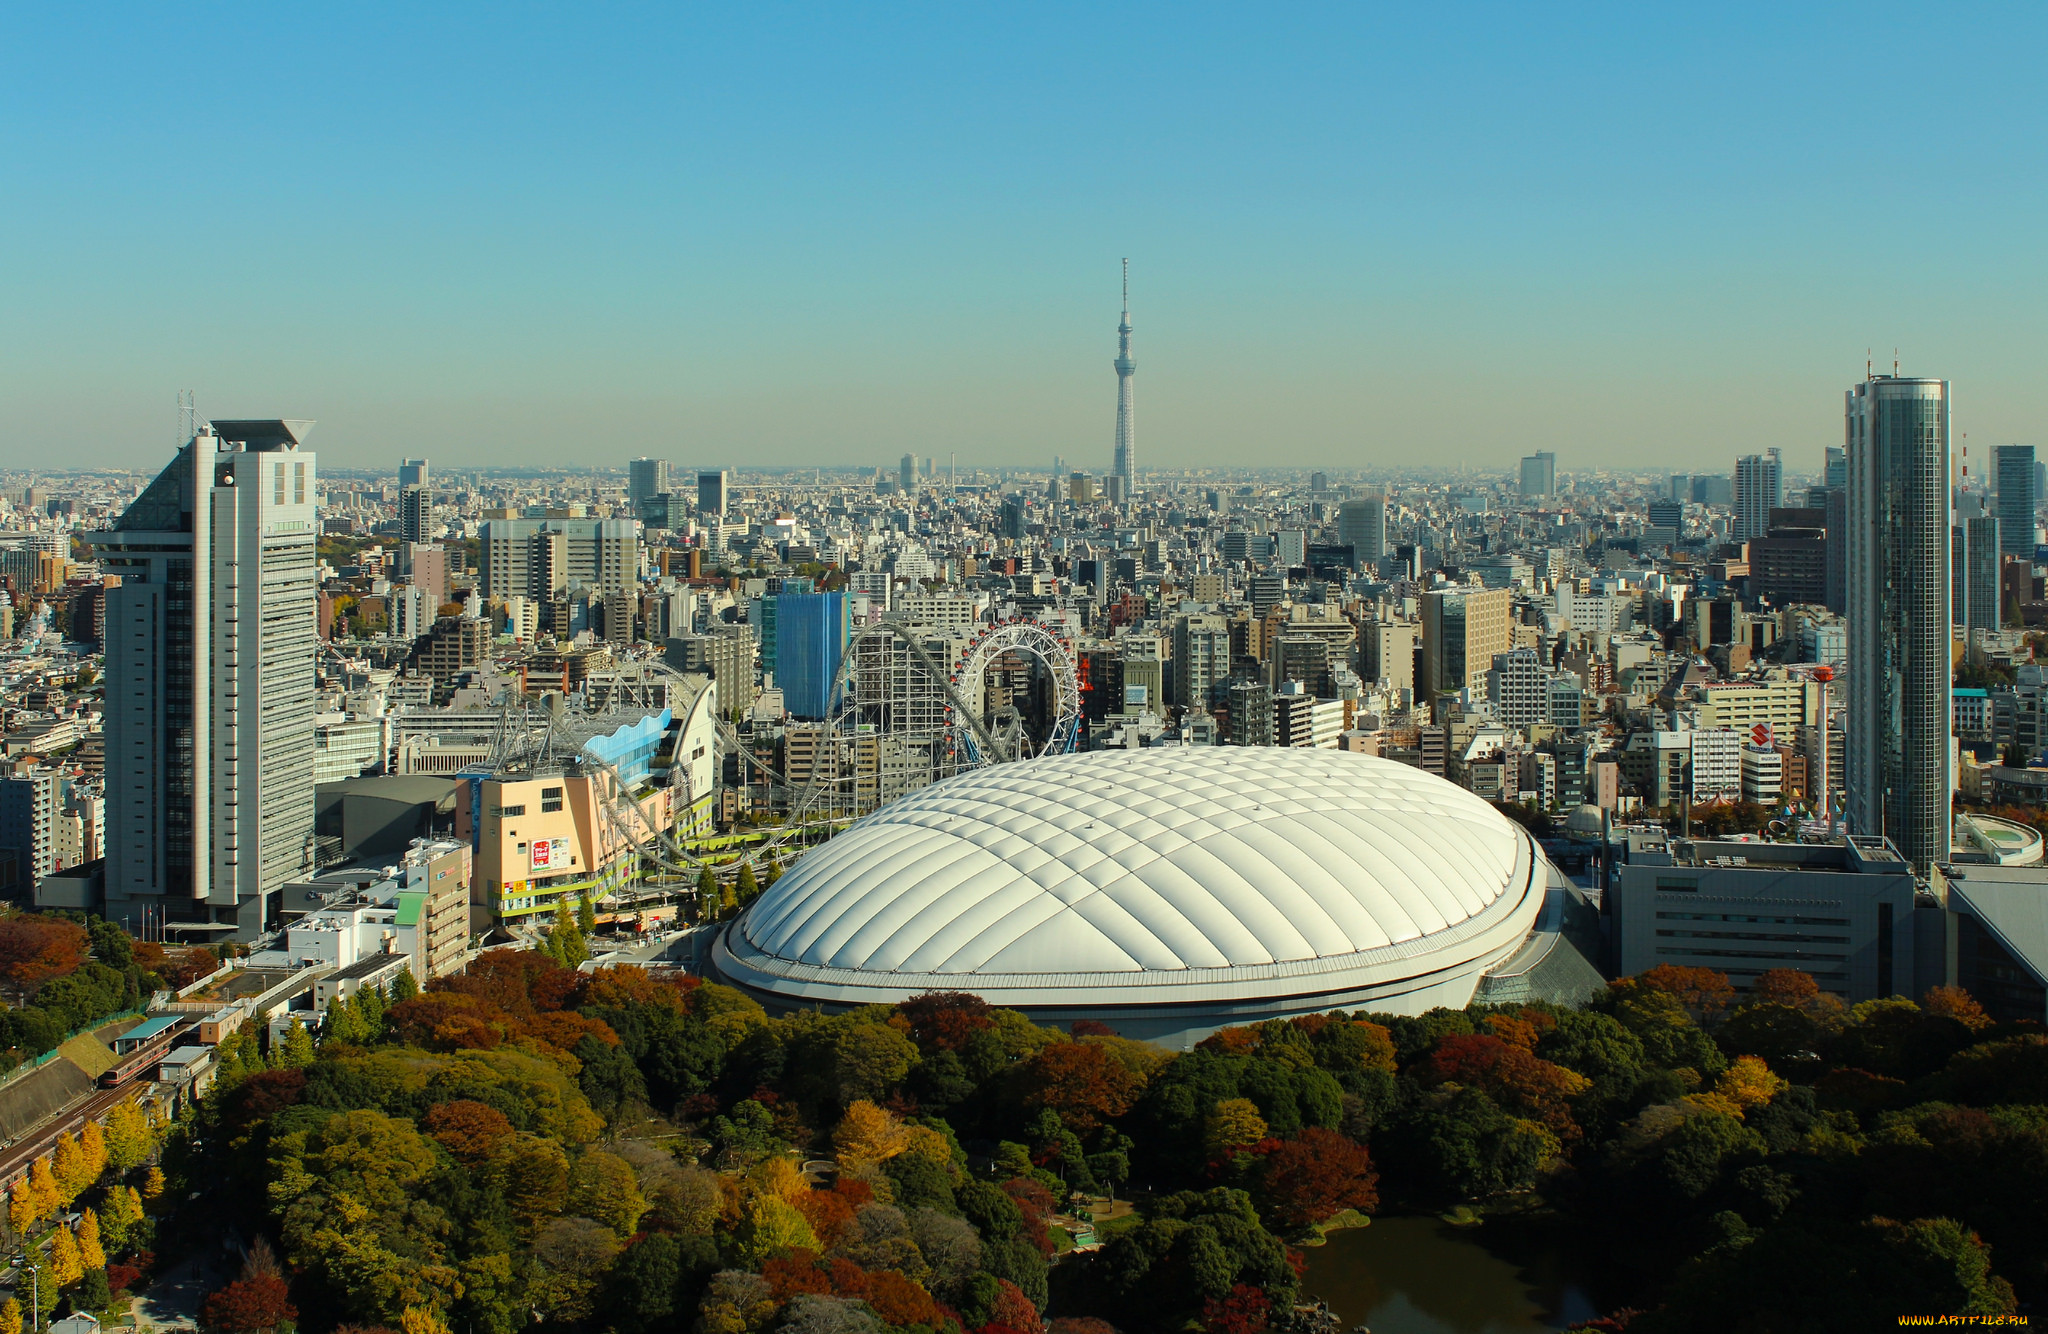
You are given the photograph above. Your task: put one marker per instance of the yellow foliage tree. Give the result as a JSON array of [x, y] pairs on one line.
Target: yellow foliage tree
[[21, 1211], [71, 1170], [130, 1138], [42, 1184], [1233, 1124], [1748, 1082], [866, 1135], [66, 1265], [773, 1227], [10, 1317], [153, 1184], [928, 1144], [90, 1252], [419, 1320], [92, 1148], [779, 1177]]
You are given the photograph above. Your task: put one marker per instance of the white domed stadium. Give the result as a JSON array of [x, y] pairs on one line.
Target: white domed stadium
[[1167, 892]]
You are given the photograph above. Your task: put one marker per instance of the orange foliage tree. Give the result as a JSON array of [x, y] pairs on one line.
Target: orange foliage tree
[[1316, 1175], [1079, 1081], [35, 949], [1705, 994], [1518, 1080], [470, 1130]]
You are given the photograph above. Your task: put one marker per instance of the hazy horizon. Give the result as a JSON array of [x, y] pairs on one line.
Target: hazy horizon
[[830, 237]]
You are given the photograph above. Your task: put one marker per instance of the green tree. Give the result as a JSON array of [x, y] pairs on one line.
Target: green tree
[[586, 914], [296, 1051], [707, 891], [565, 944], [603, 1186], [746, 886], [403, 987]]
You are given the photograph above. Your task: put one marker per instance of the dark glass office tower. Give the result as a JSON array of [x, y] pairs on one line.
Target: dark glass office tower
[[1896, 431]]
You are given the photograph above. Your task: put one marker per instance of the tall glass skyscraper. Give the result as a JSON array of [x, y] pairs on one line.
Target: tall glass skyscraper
[[1896, 431], [811, 634], [2014, 467]]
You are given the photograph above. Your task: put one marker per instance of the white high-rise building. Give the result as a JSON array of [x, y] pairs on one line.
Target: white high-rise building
[[1759, 489], [1897, 748], [209, 655]]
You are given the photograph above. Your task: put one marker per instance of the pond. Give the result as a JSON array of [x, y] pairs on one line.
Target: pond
[[1420, 1275]]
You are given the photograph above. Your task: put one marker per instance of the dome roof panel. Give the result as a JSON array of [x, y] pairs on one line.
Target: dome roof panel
[[1162, 859]]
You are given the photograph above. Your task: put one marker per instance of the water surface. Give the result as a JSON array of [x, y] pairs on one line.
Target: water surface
[[1423, 1276]]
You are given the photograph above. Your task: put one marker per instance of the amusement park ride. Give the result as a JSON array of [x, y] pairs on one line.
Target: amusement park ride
[[556, 732]]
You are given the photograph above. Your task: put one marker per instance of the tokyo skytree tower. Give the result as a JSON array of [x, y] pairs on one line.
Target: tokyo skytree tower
[[1126, 407]]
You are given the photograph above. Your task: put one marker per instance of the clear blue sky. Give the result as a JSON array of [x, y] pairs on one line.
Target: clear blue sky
[[520, 233]]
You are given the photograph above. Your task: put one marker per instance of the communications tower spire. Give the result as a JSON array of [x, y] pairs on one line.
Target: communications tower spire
[[1126, 407]]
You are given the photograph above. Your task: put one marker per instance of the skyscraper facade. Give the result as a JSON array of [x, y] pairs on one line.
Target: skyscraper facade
[[1462, 632], [1126, 462], [1362, 526], [415, 510], [1981, 562], [1759, 489], [811, 634], [1897, 438], [210, 643], [414, 472], [711, 493], [2014, 466], [645, 479], [1539, 475]]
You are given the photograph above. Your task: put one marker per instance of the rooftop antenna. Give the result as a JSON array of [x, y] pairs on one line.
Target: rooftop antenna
[[1895, 363], [1868, 373], [188, 416]]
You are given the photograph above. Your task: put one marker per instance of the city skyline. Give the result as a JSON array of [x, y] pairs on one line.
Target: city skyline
[[1362, 238]]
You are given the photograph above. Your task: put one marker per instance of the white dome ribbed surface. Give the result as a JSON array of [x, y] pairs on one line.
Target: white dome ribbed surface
[[1164, 859]]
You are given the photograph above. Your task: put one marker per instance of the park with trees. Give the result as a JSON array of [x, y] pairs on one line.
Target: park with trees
[[528, 1145]]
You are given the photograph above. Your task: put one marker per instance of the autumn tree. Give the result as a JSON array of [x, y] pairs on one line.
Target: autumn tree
[[1705, 994], [1079, 1082], [34, 949], [1517, 1079], [130, 1138], [1783, 986], [469, 1130], [66, 1266], [1233, 1124], [1957, 1004], [90, 1252], [10, 1316], [942, 1020], [1316, 1175], [42, 1184], [866, 1135], [70, 1169], [1243, 1311]]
